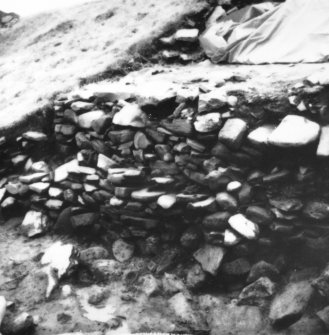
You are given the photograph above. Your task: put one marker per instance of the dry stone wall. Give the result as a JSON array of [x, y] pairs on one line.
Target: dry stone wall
[[193, 176]]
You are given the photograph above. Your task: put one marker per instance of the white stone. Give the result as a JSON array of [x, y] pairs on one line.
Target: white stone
[[40, 166], [54, 204], [294, 131], [39, 187], [35, 136], [61, 172], [244, 227], [32, 178], [181, 305], [130, 115], [34, 223], [233, 186], [166, 201], [2, 193], [208, 122], [104, 162], [85, 120], [232, 100], [55, 192], [187, 35], [230, 238], [57, 260], [323, 147], [260, 135], [66, 291], [146, 195]]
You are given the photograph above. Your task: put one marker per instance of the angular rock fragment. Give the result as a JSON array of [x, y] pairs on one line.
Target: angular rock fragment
[[180, 127], [130, 115], [210, 257], [146, 195], [255, 293], [86, 120], [208, 122], [289, 305], [294, 131], [150, 285], [244, 227], [104, 162], [32, 178], [216, 221], [34, 223], [260, 136], [39, 187], [233, 132]]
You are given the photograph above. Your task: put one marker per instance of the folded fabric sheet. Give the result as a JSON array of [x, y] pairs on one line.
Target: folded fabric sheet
[[292, 32]]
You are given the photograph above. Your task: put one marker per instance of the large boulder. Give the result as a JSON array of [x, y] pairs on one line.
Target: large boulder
[[294, 131]]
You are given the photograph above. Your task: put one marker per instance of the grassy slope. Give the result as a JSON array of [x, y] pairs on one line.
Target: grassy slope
[[52, 52]]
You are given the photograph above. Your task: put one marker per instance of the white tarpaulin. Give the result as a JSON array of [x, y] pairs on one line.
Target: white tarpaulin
[[292, 32]]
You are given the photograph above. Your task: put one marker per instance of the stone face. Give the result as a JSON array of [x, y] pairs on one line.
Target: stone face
[[34, 223], [233, 132], [196, 277], [289, 305], [238, 267], [260, 135], [226, 201], [208, 122], [167, 201], [39, 187], [79, 106], [255, 293], [210, 257], [294, 131], [130, 115], [243, 226], [86, 120], [122, 251], [323, 147], [84, 220], [104, 162]]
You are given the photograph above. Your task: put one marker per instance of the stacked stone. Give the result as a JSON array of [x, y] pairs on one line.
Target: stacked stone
[[197, 176]]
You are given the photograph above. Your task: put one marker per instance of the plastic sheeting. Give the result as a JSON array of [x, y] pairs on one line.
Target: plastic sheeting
[[292, 32]]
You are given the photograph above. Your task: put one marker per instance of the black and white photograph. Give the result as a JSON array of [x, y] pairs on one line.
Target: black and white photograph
[[164, 167]]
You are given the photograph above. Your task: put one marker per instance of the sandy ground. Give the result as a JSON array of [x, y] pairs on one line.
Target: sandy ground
[[52, 51]]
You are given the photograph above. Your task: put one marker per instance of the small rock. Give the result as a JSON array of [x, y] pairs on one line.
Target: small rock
[[287, 205], [233, 132], [104, 162], [294, 131], [233, 186], [263, 269], [130, 115], [55, 192], [122, 250], [167, 201], [86, 120], [32, 178], [255, 293], [208, 122], [36, 136], [243, 226], [226, 201], [15, 188], [231, 238], [39, 187], [187, 35], [259, 215], [210, 257], [54, 204], [34, 223], [66, 291], [40, 166]]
